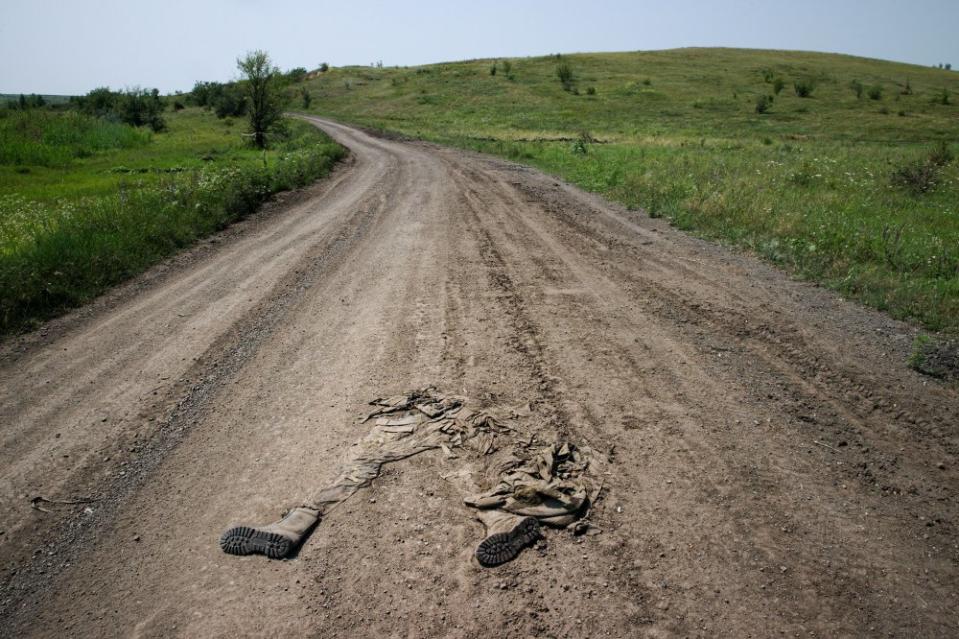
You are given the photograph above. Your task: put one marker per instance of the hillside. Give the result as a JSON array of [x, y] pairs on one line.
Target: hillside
[[808, 184]]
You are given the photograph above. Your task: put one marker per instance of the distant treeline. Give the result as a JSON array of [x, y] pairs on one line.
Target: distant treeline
[[144, 107], [136, 107]]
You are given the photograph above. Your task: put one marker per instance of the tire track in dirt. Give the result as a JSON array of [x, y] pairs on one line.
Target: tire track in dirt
[[181, 408], [518, 220]]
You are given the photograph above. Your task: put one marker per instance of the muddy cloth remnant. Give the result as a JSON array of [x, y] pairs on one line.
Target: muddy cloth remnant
[[549, 485], [405, 425], [533, 484]]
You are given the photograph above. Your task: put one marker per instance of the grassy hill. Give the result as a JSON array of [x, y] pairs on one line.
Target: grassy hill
[[844, 186]]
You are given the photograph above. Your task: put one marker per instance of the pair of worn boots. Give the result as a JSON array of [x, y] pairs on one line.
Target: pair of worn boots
[[507, 536]]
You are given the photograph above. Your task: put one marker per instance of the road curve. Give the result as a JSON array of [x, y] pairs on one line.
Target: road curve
[[774, 466]]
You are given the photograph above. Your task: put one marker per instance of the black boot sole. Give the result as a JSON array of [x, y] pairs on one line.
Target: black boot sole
[[499, 548], [246, 540]]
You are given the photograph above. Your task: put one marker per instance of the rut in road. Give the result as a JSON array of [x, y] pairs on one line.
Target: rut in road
[[774, 465]]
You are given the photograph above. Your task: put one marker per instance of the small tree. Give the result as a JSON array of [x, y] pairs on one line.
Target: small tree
[[565, 75], [264, 101], [307, 98]]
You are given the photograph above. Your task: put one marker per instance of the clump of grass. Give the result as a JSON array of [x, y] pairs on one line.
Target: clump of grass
[[857, 88], [763, 103], [804, 88], [924, 175], [778, 85], [942, 97]]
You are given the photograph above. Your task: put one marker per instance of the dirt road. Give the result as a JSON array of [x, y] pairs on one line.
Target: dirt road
[[775, 468]]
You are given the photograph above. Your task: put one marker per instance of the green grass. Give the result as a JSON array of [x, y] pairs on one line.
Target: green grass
[[807, 185], [71, 228], [44, 138]]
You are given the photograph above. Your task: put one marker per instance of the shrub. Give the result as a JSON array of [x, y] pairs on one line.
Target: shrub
[[492, 69], [647, 82], [763, 102], [581, 145], [942, 98], [296, 74], [923, 176], [902, 113], [778, 85], [229, 102], [857, 88], [205, 94], [941, 154], [136, 107], [804, 88], [565, 75], [590, 90], [306, 97], [508, 68], [177, 105], [875, 92], [906, 90], [324, 67]]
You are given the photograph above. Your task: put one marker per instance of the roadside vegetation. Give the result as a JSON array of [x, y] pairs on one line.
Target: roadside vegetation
[[837, 168], [89, 197]]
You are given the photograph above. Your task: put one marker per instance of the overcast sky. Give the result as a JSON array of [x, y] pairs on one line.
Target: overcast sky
[[72, 46]]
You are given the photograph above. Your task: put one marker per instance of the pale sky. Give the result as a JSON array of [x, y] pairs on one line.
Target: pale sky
[[72, 46]]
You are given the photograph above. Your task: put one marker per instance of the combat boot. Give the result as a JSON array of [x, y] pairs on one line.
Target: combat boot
[[276, 541], [506, 536]]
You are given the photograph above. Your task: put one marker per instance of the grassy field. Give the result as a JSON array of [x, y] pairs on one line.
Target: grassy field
[[86, 203], [844, 187]]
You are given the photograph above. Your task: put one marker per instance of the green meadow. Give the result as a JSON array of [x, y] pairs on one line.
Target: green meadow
[[86, 202], [836, 168]]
